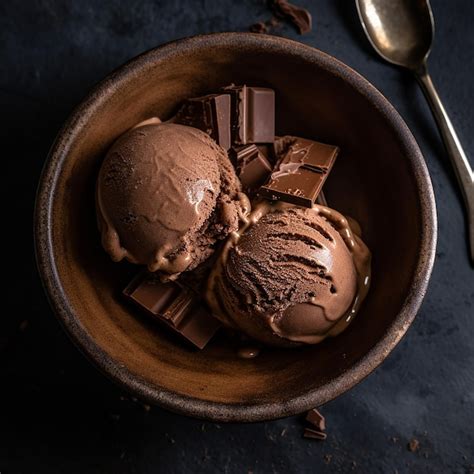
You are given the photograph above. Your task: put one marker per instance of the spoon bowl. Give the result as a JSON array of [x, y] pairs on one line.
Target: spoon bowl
[[401, 31]]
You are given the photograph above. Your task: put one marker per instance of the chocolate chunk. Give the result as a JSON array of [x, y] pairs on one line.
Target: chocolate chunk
[[251, 165], [316, 419], [299, 188], [176, 307], [211, 114], [314, 434], [252, 114], [300, 172], [299, 16]]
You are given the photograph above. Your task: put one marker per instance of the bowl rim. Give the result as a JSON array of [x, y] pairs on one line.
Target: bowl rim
[[184, 404]]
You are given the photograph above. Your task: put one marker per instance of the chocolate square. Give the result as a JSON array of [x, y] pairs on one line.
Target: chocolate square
[[252, 114], [300, 187], [211, 114], [301, 170], [176, 307]]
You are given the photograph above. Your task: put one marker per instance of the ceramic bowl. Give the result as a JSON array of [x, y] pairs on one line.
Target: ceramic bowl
[[380, 179]]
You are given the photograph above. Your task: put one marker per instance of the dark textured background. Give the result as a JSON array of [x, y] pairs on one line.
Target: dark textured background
[[58, 415]]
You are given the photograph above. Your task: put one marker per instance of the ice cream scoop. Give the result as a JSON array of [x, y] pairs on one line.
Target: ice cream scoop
[[166, 193], [290, 275]]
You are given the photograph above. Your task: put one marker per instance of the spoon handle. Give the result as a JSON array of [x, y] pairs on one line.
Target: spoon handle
[[464, 173]]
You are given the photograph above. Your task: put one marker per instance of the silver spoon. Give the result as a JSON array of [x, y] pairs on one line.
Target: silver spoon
[[402, 32]]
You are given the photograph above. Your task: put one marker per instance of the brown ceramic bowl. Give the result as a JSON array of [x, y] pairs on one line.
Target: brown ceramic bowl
[[380, 179]]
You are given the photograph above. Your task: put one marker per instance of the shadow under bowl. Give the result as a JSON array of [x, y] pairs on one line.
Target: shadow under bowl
[[380, 179]]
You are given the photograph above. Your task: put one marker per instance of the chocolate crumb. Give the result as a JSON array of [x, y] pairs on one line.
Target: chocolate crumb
[[259, 27], [413, 445], [327, 458], [314, 434], [315, 418], [273, 22]]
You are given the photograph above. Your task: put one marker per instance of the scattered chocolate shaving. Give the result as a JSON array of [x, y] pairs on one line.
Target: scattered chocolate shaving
[[327, 458], [413, 445], [300, 17], [315, 418], [314, 434], [265, 27]]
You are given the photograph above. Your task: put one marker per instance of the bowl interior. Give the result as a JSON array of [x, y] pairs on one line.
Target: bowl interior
[[375, 180]]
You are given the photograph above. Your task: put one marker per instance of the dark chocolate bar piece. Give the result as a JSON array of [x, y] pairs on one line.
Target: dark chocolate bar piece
[[176, 307], [315, 418], [252, 114], [251, 165], [300, 172], [211, 114]]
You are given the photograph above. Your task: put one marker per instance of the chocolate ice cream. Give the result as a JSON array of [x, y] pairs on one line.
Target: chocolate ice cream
[[166, 193], [291, 275]]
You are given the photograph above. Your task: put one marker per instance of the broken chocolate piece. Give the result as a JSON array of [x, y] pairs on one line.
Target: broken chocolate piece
[[314, 434], [211, 114], [252, 114], [300, 17], [176, 307], [316, 419], [300, 172], [299, 188], [251, 165]]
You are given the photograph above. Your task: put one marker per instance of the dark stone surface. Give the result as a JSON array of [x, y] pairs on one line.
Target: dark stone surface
[[58, 415]]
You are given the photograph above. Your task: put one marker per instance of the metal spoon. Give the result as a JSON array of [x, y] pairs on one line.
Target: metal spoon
[[402, 32]]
